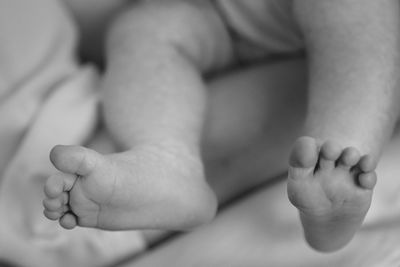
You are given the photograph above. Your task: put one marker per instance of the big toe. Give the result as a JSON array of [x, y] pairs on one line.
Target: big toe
[[54, 186], [68, 221], [75, 159], [304, 153]]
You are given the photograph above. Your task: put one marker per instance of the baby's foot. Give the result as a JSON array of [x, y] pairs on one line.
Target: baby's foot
[[82, 191], [332, 188], [131, 190]]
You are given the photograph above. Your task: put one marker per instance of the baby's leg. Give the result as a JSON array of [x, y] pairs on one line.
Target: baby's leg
[[244, 147], [353, 106], [235, 162], [154, 105]]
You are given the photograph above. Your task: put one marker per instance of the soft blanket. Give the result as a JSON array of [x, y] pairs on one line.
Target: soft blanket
[[45, 99]]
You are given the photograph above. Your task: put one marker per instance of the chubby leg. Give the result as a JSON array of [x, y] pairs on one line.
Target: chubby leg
[[154, 102], [354, 85], [353, 102]]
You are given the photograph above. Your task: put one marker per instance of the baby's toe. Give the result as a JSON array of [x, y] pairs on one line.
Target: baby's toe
[[367, 164], [54, 186], [304, 153], [330, 152], [75, 159], [53, 204], [350, 157], [367, 180], [52, 215], [59, 183], [68, 221]]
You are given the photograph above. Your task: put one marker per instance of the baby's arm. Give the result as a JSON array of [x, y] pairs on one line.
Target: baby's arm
[[155, 99]]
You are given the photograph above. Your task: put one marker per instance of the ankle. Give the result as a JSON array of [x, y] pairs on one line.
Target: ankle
[[365, 141]]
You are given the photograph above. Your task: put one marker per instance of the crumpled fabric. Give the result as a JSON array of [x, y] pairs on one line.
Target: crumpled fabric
[[46, 99]]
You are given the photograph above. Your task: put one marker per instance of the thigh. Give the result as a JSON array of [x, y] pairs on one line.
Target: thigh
[[253, 118], [250, 102]]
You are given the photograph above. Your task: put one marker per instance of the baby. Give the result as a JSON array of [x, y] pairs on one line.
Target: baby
[[155, 101]]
